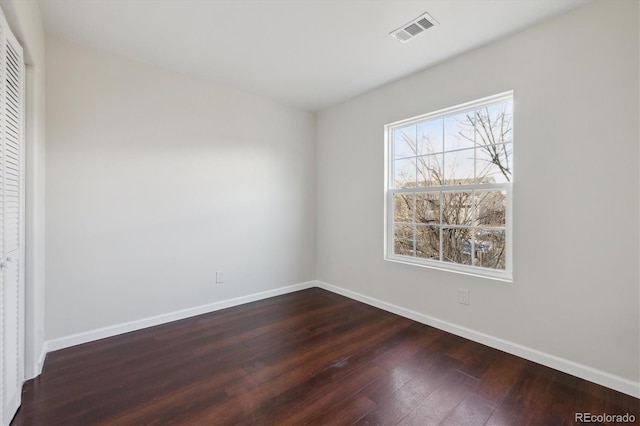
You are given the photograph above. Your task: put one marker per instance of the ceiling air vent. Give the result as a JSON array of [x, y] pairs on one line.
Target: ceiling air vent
[[413, 28]]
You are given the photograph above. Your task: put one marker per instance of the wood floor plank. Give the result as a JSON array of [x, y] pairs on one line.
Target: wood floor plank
[[309, 357], [407, 398], [443, 400], [472, 410], [347, 412], [320, 400], [497, 380]]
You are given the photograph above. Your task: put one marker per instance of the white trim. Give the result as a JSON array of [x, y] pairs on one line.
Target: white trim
[[36, 364], [505, 186], [579, 370], [39, 363], [467, 106], [600, 377], [114, 330], [473, 271]]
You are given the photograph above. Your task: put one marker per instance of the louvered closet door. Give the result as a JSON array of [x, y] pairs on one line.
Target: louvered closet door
[[12, 219]]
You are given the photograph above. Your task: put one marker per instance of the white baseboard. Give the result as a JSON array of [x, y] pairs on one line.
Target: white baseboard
[[585, 372], [114, 330], [40, 360], [36, 365], [582, 371]]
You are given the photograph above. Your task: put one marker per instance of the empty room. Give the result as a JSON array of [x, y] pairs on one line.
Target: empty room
[[325, 212]]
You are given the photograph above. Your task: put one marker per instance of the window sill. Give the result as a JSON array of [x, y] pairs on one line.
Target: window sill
[[473, 271]]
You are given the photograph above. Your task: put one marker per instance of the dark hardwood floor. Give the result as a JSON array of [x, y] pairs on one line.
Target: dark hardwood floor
[[310, 357]]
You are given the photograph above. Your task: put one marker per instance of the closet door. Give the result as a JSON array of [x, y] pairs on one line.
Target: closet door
[[11, 219]]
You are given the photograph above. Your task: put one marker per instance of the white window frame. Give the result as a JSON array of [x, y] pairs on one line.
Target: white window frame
[[390, 190]]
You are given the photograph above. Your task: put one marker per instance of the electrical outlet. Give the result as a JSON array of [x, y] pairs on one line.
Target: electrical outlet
[[219, 277], [463, 296]]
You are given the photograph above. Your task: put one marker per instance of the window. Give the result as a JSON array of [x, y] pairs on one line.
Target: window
[[449, 188]]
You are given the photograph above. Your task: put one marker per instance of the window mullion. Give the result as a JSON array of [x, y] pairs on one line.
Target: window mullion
[[413, 225], [441, 198], [473, 227]]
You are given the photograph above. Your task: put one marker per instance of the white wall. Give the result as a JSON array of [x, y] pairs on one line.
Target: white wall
[[26, 23], [156, 180], [576, 275]]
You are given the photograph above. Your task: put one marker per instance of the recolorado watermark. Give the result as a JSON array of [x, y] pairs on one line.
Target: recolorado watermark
[[604, 418]]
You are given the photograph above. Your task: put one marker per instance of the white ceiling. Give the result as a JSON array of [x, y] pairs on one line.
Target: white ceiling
[[306, 53]]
